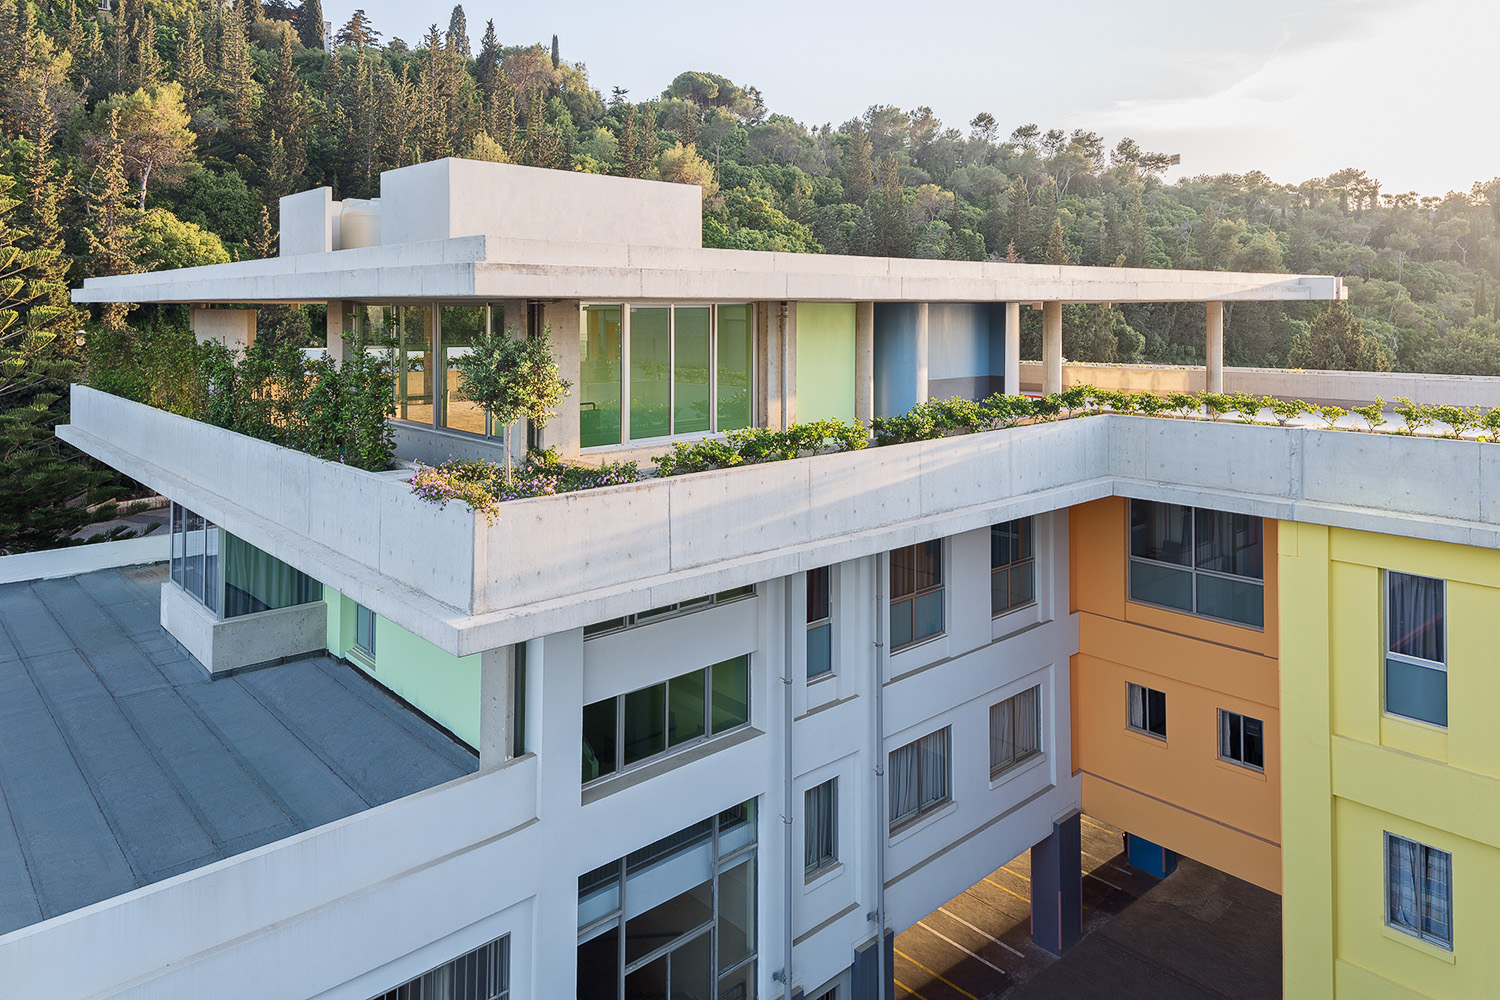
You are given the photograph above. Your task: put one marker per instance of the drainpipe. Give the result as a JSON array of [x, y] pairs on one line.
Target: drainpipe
[[786, 683], [880, 789]]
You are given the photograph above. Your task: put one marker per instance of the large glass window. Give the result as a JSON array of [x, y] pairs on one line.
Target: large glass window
[[820, 841], [624, 731], [1204, 562], [1419, 890], [1416, 667], [1146, 710], [482, 974], [600, 369], [1012, 566], [228, 575], [1242, 740], [920, 777], [416, 367], [675, 919], [460, 327], [916, 593], [1015, 730], [819, 622], [690, 371]]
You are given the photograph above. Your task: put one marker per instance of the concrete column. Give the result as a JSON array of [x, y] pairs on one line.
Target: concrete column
[[1057, 887], [1051, 348], [921, 348], [1013, 348], [234, 328], [864, 361], [497, 711], [1214, 352], [768, 357], [789, 365], [566, 320]]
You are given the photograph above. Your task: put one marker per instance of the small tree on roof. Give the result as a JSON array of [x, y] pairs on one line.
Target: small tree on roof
[[513, 379]]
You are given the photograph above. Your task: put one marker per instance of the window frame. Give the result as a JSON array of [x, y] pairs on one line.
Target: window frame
[[670, 749], [999, 769], [360, 611], [677, 609], [1425, 849], [1145, 728], [418, 989], [1225, 739], [910, 599], [827, 860], [925, 806], [1191, 566], [1388, 654], [822, 626], [1029, 560]]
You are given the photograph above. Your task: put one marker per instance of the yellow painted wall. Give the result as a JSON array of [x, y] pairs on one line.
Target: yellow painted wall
[[1176, 792], [1360, 773]]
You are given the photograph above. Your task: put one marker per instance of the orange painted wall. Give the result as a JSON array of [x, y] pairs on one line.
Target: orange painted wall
[[1176, 792]]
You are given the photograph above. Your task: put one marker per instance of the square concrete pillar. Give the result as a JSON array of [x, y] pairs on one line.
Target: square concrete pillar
[[497, 709], [775, 350], [234, 328], [1051, 348], [921, 351], [789, 365], [566, 320], [1057, 887], [864, 361], [1013, 348], [1214, 350], [340, 327]]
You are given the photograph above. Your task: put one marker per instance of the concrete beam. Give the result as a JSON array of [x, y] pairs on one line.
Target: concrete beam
[[1051, 347], [1214, 350], [864, 361], [1013, 348]]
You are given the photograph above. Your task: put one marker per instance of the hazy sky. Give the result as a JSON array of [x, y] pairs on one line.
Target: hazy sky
[[1404, 89]]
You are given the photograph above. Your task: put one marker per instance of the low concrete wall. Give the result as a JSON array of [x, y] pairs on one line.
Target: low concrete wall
[[52, 564], [1325, 388], [224, 645], [339, 885]]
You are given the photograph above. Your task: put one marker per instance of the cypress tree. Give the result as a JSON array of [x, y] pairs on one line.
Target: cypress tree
[[191, 70], [891, 236], [556, 61], [458, 32], [281, 116], [235, 84], [309, 23], [112, 237], [487, 65], [859, 180], [1018, 216]]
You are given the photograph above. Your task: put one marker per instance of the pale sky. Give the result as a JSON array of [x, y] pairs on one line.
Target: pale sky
[[1403, 89]]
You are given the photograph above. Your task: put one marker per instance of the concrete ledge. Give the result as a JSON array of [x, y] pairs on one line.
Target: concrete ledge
[[75, 559], [231, 645]]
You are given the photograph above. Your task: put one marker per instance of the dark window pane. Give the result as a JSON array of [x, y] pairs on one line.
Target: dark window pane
[[1156, 712], [819, 650], [901, 624], [1229, 543], [645, 723], [927, 615], [1161, 531], [737, 913], [662, 923], [818, 603], [685, 708], [1231, 600], [731, 694], [1416, 692], [1164, 585], [599, 739], [1414, 610], [1255, 743]]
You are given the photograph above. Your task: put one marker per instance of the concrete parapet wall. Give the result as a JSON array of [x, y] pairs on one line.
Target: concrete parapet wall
[[308, 223], [338, 885], [223, 645], [52, 564], [1326, 388]]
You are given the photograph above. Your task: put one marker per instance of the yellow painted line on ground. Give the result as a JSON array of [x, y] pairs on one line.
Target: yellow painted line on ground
[[939, 975], [1016, 874], [908, 989], [1002, 888], [1096, 826]]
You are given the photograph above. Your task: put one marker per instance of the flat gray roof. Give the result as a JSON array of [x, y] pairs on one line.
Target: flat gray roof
[[122, 764]]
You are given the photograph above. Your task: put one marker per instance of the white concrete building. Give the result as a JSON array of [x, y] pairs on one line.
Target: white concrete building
[[811, 700]]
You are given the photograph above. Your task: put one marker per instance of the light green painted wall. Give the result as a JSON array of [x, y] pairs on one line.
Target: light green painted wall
[[825, 360], [444, 686]]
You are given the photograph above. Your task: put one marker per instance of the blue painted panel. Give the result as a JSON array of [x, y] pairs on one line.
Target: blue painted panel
[[896, 361], [1151, 858], [958, 340]]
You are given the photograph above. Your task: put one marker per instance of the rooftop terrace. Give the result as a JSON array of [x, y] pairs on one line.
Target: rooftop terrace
[[121, 764]]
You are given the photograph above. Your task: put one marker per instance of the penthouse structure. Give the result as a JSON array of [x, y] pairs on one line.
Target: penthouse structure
[[900, 667]]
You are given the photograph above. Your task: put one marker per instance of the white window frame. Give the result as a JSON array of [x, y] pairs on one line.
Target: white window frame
[[1415, 661], [1385, 860], [998, 770]]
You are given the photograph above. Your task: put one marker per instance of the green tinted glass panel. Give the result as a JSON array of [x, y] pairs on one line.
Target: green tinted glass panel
[[599, 377], [645, 723], [690, 368], [1416, 692], [1155, 583], [1232, 600], [735, 346], [415, 363], [460, 326], [598, 739], [650, 369], [685, 708], [731, 698]]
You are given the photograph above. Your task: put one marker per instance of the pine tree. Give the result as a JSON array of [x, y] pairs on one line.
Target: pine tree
[[859, 181], [1481, 299], [146, 63], [458, 33], [112, 236], [192, 73], [1057, 244], [1138, 238], [263, 246], [892, 235], [487, 65], [542, 147], [235, 84], [281, 116], [1018, 216], [309, 23]]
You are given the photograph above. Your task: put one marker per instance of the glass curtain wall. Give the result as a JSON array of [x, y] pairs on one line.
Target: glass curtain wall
[[460, 326], [228, 575], [194, 559], [689, 371], [675, 919]]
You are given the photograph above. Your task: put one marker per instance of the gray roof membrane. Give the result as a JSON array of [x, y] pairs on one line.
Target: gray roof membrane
[[122, 764]]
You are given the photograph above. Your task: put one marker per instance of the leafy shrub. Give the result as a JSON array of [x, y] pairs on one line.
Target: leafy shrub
[[1417, 415], [483, 486], [1331, 415], [1373, 415], [752, 445]]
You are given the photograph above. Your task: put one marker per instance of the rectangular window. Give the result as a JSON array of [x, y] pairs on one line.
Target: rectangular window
[[459, 327], [600, 369], [1012, 566], [820, 845], [625, 731], [650, 372], [1015, 730], [1416, 666], [1242, 740], [675, 918], [920, 778], [1419, 890], [364, 630], [1204, 562], [482, 974], [666, 611], [1147, 710], [416, 365], [916, 593], [228, 575], [819, 622], [734, 364]]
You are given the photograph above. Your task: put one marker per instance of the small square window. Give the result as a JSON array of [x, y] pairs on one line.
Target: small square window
[[1242, 740], [1147, 710], [820, 846], [1419, 890]]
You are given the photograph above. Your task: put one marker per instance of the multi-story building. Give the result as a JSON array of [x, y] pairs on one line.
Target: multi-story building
[[901, 666]]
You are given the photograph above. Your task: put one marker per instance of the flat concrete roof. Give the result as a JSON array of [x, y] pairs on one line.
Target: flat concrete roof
[[493, 268], [122, 764]]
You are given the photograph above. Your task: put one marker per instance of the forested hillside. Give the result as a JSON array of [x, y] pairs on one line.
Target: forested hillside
[[162, 133]]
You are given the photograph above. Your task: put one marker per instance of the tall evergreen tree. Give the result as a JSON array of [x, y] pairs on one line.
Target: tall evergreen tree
[[192, 72], [556, 58], [891, 225], [309, 23], [457, 38], [235, 83], [859, 180], [487, 65], [281, 116], [112, 237]]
